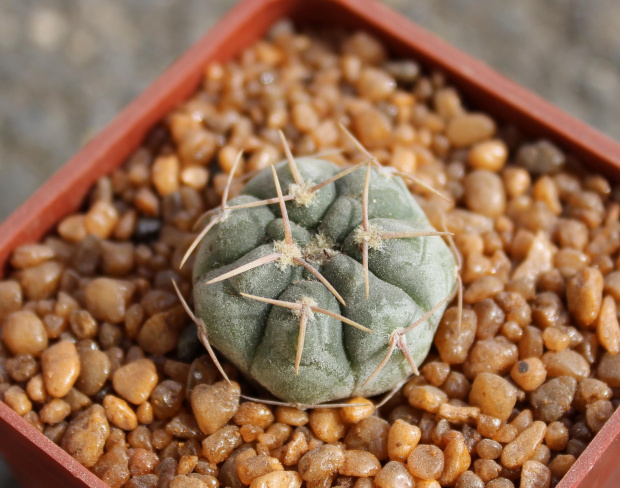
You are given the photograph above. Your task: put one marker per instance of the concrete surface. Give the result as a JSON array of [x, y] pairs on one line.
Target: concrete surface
[[68, 66]]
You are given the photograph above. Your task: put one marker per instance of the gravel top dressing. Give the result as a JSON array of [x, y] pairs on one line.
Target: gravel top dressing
[[99, 352]]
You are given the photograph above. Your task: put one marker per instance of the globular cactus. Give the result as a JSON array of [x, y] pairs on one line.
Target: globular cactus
[[332, 290]]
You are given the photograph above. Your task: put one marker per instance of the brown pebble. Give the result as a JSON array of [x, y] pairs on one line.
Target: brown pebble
[[291, 416], [426, 462], [524, 446], [488, 155], [428, 398], [354, 414], [554, 398], [218, 446], [359, 463], [255, 466], [453, 339], [54, 411], [214, 405], [24, 333], [119, 413], [456, 461], [529, 373], [494, 395], [394, 475], [465, 130], [535, 475], [321, 462], [167, 399], [255, 414], [484, 193], [135, 381], [584, 295], [86, 436], [94, 371], [607, 328], [492, 355], [402, 439], [160, 333], [17, 400], [278, 479], [327, 424], [60, 366], [11, 297], [113, 468], [42, 281], [107, 299], [566, 363]]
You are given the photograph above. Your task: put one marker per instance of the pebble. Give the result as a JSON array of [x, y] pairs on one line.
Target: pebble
[[24, 333], [219, 445], [165, 174], [253, 467], [467, 129], [255, 414], [291, 416], [321, 462], [453, 343], [42, 281], [54, 411], [394, 475], [484, 193], [358, 463], [60, 365], [11, 297], [278, 479], [494, 395], [541, 157], [535, 475], [554, 398], [566, 363], [524, 446], [491, 356], [167, 399], [456, 461], [426, 462], [160, 334], [113, 468], [428, 398], [375, 84], [597, 413], [135, 381], [214, 405], [370, 434], [529, 373], [589, 391], [119, 413], [86, 436], [101, 219], [607, 328], [584, 295], [327, 424], [17, 399], [609, 369], [364, 409], [372, 128], [402, 439], [107, 299], [488, 155]]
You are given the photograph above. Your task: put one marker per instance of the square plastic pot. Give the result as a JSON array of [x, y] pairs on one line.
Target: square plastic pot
[[35, 460]]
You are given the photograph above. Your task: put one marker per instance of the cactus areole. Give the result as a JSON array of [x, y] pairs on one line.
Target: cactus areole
[[332, 288]]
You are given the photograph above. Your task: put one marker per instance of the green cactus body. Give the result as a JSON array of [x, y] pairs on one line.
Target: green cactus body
[[407, 278]]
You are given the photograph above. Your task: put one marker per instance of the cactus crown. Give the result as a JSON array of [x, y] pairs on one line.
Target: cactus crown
[[311, 293]]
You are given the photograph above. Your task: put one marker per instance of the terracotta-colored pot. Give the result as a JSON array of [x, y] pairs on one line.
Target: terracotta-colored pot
[[37, 461]]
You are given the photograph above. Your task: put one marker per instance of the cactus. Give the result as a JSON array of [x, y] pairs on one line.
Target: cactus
[[333, 290]]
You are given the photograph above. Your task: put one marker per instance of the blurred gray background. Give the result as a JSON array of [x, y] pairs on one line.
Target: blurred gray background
[[68, 66]]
